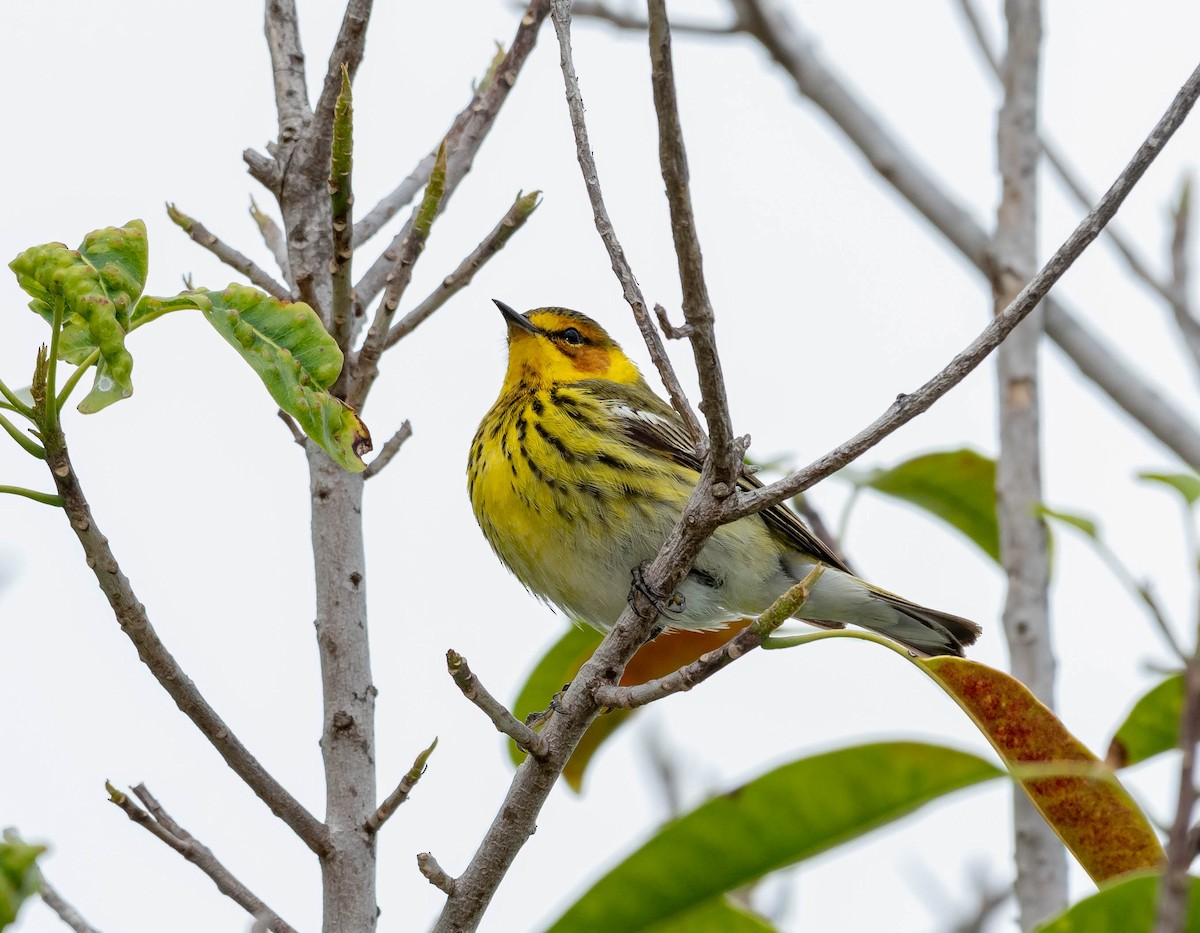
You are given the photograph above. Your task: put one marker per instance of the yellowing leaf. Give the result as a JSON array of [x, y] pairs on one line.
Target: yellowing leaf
[[1093, 815]]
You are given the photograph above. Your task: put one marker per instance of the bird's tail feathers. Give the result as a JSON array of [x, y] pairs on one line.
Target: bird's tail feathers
[[839, 598]]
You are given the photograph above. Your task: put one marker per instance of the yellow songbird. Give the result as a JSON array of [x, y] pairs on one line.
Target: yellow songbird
[[578, 472]]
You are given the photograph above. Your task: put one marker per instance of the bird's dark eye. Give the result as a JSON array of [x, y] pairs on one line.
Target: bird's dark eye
[[572, 336]]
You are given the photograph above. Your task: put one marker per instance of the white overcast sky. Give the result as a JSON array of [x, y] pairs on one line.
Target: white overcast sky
[[831, 295]]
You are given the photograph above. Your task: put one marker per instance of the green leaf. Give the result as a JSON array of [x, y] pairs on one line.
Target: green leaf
[[297, 360], [1152, 726], [1126, 906], [958, 486], [1079, 522], [99, 285], [792, 813], [19, 877], [718, 915], [1186, 484]]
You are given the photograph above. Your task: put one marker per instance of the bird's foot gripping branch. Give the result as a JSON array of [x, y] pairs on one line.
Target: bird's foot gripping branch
[[92, 298]]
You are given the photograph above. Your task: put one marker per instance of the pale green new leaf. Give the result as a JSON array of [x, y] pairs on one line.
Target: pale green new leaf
[[297, 360], [98, 286], [1078, 522], [1186, 484], [19, 877]]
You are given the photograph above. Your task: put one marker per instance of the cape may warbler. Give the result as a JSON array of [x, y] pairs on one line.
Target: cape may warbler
[[579, 471]]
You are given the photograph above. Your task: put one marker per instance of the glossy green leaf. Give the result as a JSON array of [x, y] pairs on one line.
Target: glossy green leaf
[[1126, 906], [958, 486], [19, 877], [98, 285], [1152, 726], [1078, 522], [1186, 484], [789, 814], [297, 360], [718, 915]]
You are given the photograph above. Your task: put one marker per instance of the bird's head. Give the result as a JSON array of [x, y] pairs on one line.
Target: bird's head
[[555, 345]]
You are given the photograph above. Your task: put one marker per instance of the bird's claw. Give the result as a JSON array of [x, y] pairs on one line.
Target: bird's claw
[[674, 605]]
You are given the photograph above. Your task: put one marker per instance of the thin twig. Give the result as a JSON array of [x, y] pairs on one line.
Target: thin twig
[[616, 254], [527, 740], [389, 450], [65, 910], [795, 52], [1062, 168], [131, 616], [393, 800], [686, 677], [227, 254], [584, 9], [361, 374], [907, 407], [464, 139], [457, 280], [274, 240], [670, 330], [297, 435], [155, 820], [816, 522], [429, 867], [1181, 241], [697, 306]]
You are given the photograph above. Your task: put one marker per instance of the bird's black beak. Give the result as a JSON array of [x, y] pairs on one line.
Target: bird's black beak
[[514, 319]]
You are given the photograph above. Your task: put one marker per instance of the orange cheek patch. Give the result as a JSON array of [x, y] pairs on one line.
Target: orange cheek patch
[[590, 359]]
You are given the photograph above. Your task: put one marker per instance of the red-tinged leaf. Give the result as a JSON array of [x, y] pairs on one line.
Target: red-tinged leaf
[[1094, 816]]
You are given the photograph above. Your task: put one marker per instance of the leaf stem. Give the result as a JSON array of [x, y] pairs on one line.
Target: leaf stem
[[50, 413], [46, 498], [69, 385], [31, 446], [17, 405]]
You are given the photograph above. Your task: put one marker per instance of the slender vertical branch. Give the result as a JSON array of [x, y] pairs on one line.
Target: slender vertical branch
[[1181, 244], [1041, 883], [697, 308], [348, 732], [1172, 908], [604, 226], [282, 28]]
